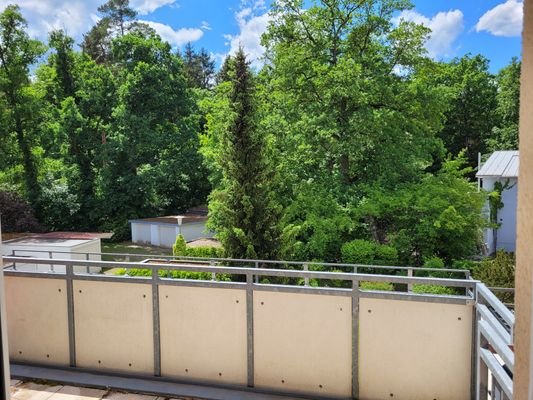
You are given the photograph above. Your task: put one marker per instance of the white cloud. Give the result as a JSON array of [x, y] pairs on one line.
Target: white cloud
[[76, 17], [503, 20], [73, 16], [144, 7], [445, 29], [205, 26], [176, 37], [251, 26]]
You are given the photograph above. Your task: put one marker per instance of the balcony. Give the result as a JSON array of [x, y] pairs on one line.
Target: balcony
[[258, 329]]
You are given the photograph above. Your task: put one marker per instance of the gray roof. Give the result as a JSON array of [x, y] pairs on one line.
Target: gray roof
[[502, 164]]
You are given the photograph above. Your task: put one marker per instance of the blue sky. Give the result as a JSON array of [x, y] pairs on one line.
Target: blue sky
[[489, 27]]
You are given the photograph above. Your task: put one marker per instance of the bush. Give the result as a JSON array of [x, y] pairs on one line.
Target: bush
[[367, 252], [382, 286], [358, 252], [180, 246], [498, 271], [174, 274], [386, 255], [433, 289], [17, 214]]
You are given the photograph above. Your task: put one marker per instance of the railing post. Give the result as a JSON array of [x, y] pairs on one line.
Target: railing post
[[482, 371], [257, 267], [69, 274], [213, 274], [88, 269], [306, 279], [250, 328], [410, 275], [51, 265], [355, 338], [155, 322]]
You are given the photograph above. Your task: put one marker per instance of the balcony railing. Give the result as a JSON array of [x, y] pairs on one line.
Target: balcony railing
[[269, 326]]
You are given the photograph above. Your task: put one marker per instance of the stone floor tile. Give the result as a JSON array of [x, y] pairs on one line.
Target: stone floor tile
[[128, 396], [33, 391], [76, 393]]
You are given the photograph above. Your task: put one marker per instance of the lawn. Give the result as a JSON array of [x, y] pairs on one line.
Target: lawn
[[131, 248]]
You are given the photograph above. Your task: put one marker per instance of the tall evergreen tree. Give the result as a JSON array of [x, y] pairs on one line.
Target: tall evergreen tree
[[17, 53], [244, 212]]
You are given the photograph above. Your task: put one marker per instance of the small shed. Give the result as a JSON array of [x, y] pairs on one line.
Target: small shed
[[58, 245], [500, 173], [162, 231]]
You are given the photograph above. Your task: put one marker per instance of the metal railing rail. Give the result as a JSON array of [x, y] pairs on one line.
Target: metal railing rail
[[492, 327], [304, 265], [494, 339]]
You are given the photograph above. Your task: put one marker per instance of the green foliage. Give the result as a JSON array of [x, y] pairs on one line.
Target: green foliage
[[471, 114], [367, 252], [244, 210], [180, 246], [174, 274], [497, 271], [314, 226], [433, 289], [359, 252], [381, 286], [439, 215], [433, 262], [505, 134]]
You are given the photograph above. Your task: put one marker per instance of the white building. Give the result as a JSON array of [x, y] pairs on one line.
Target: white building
[[162, 231], [500, 172], [55, 245]]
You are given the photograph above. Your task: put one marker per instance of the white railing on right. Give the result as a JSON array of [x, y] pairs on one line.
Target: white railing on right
[[494, 345]]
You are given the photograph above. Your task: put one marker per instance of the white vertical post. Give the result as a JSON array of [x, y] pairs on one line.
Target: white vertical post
[[5, 374]]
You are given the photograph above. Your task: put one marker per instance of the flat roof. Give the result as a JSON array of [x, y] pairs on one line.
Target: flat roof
[[171, 219], [502, 164], [42, 241]]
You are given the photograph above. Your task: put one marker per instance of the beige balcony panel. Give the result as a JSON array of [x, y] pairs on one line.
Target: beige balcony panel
[[203, 334], [303, 343], [414, 350], [37, 320], [114, 326]]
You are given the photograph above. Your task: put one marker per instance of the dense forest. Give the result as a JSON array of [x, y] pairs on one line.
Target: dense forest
[[349, 143]]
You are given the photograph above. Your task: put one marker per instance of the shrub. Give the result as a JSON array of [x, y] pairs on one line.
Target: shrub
[[386, 255], [180, 246], [382, 286], [433, 289], [359, 252], [367, 252], [17, 214], [498, 271]]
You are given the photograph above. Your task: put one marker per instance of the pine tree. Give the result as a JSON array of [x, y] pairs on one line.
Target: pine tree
[[244, 212]]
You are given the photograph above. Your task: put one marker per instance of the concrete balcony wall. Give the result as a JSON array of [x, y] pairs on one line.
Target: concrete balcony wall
[[340, 345]]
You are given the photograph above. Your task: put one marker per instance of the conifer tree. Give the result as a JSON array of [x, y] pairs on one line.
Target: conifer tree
[[244, 211]]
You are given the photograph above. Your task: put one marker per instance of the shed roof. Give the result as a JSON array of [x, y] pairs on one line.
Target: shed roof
[[502, 164]]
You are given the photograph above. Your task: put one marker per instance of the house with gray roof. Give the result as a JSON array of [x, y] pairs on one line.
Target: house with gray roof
[[500, 174]]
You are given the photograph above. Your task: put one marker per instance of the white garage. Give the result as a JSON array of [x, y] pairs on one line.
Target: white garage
[[162, 231], [55, 245]]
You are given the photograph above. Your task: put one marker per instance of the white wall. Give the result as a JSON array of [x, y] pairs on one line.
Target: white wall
[[140, 233], [57, 252], [507, 217], [506, 234], [164, 235]]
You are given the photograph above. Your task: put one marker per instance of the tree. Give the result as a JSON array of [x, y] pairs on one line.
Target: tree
[[243, 211], [152, 164], [119, 13], [472, 111], [199, 67], [17, 53], [505, 134], [118, 19]]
